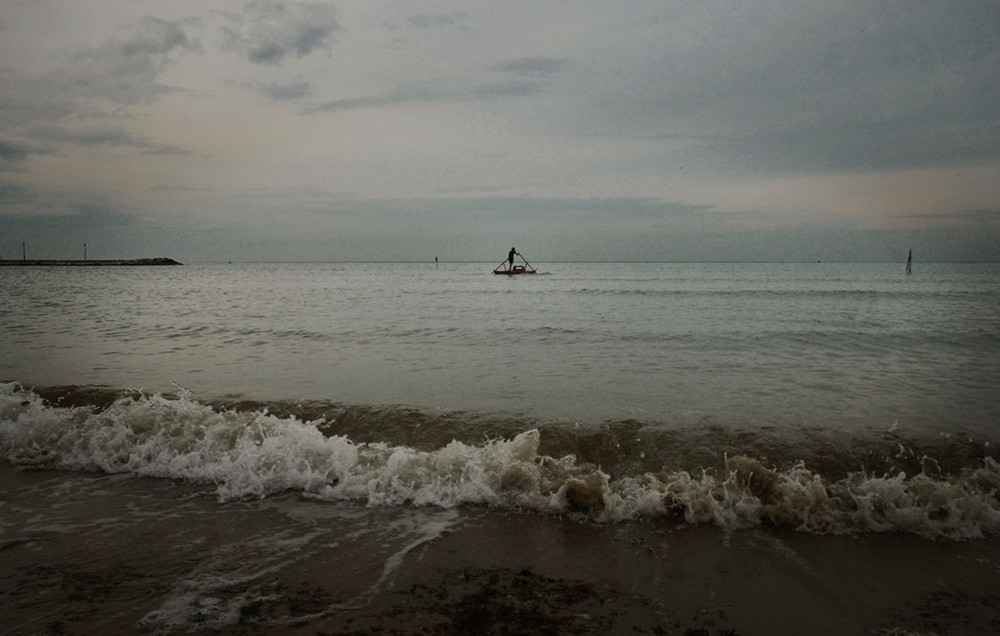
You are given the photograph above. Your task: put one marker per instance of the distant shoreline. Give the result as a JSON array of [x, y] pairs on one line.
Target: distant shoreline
[[93, 263]]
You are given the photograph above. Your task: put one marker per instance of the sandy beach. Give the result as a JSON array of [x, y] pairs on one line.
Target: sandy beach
[[84, 553]]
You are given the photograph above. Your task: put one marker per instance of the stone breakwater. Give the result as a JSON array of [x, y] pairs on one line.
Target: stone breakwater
[[95, 263]]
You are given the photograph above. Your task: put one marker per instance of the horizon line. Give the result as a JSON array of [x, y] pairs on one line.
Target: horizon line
[[432, 262]]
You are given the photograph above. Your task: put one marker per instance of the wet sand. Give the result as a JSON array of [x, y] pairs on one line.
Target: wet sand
[[84, 553]]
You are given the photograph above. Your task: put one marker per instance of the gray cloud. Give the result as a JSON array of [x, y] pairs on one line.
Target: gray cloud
[[268, 31], [180, 188], [487, 91], [513, 88], [15, 194], [415, 94], [353, 103], [12, 155], [125, 72], [802, 87], [532, 66], [279, 92], [988, 217], [438, 20], [53, 208], [862, 146], [102, 137], [287, 92], [117, 72], [25, 99], [47, 111]]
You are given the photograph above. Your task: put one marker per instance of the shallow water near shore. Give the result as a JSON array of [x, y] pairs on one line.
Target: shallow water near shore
[[85, 553]]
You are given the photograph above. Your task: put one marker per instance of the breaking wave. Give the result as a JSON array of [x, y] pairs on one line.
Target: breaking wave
[[252, 452]]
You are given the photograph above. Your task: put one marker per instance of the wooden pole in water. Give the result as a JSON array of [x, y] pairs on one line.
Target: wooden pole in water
[[24, 252]]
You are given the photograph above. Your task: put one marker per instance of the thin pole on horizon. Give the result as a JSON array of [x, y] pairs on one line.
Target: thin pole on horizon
[[24, 251], [84, 251]]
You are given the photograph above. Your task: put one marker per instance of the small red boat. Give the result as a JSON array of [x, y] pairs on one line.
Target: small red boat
[[508, 268], [517, 269]]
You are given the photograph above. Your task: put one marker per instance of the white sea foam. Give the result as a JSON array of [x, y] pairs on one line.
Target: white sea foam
[[255, 454], [202, 598], [205, 598]]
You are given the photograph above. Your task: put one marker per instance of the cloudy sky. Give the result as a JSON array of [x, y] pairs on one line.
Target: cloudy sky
[[377, 130]]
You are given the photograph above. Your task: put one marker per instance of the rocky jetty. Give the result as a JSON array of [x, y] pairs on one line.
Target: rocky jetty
[[97, 263]]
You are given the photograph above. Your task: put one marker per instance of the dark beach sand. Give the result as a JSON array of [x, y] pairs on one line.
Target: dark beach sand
[[88, 554]]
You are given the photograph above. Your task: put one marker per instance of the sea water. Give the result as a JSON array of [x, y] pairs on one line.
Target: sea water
[[811, 344], [826, 398], [631, 368]]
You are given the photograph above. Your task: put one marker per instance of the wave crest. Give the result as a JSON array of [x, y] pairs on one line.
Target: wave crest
[[255, 454]]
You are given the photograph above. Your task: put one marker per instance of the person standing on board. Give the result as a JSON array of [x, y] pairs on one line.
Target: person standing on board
[[510, 256]]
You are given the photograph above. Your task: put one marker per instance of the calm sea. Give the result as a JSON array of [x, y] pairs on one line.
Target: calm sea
[[826, 398], [813, 345]]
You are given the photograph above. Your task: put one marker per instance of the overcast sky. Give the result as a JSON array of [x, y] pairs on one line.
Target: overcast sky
[[628, 130]]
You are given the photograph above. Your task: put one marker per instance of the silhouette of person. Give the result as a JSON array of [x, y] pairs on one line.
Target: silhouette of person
[[510, 256]]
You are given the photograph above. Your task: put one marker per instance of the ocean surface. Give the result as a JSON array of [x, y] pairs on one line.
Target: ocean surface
[[830, 399]]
